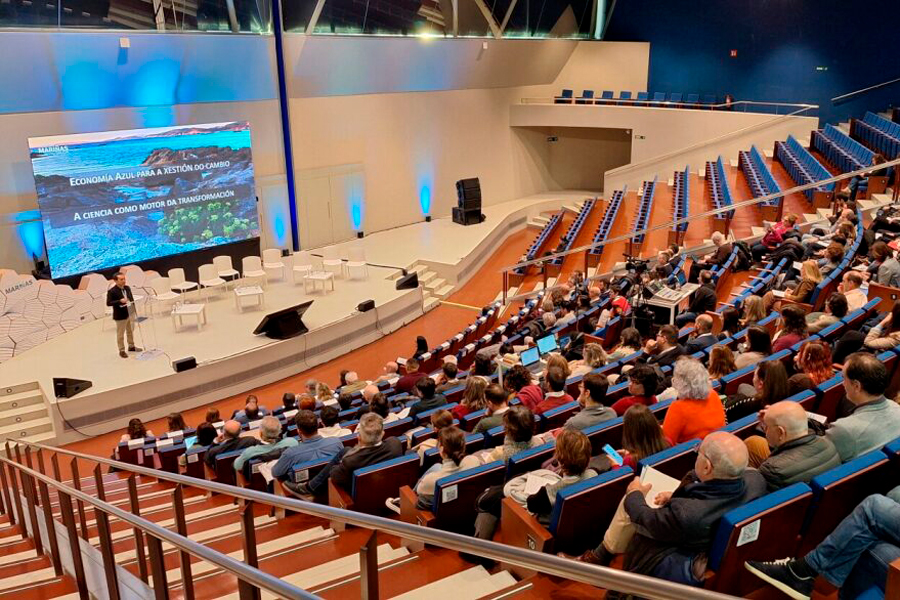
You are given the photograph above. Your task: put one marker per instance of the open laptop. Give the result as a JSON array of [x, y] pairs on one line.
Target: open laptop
[[531, 358], [547, 344]]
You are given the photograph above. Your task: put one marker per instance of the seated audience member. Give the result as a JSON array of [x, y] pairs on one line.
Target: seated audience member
[[721, 362], [519, 381], [668, 540], [452, 443], [754, 311], [876, 420], [421, 347], [810, 277], [231, 440], [473, 397], [288, 402], [312, 445], [792, 330], [556, 395], [354, 383], [306, 402], [850, 287], [813, 365], [175, 422], [558, 361], [407, 383], [593, 392], [330, 426], [206, 434], [519, 436], [833, 256], [703, 336], [497, 405], [483, 366], [770, 385], [854, 558], [390, 372], [448, 379], [212, 415], [717, 257], [370, 450], [343, 377], [642, 386], [428, 398], [704, 300], [135, 431], [758, 346], [886, 334], [665, 349], [324, 395], [270, 442], [663, 259], [642, 436], [731, 323], [252, 411], [440, 419], [381, 406], [773, 237], [594, 357], [697, 411], [618, 307], [345, 401], [311, 387], [835, 310], [790, 452], [629, 343], [369, 392], [889, 267]]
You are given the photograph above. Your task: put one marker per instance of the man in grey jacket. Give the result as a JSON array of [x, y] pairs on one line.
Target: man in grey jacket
[[593, 391], [876, 420], [798, 454]]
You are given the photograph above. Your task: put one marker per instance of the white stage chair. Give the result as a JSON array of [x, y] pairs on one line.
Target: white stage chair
[[272, 261], [179, 284], [302, 265], [162, 291], [252, 269], [209, 278], [356, 260], [225, 269], [331, 261]]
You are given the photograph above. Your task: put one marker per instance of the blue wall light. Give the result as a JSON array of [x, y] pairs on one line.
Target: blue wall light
[[425, 199], [31, 232]]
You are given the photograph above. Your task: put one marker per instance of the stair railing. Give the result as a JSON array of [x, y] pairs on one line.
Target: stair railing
[[604, 577], [866, 90], [505, 271]]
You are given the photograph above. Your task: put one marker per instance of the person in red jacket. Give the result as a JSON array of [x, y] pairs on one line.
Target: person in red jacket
[[642, 384], [557, 396], [518, 381]]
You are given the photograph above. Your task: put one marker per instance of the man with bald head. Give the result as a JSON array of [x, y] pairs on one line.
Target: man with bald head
[[671, 542], [231, 440], [703, 336], [790, 452]]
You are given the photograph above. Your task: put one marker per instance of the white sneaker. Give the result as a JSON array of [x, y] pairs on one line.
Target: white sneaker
[[393, 504]]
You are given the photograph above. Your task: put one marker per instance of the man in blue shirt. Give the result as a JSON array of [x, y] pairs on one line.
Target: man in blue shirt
[[312, 446]]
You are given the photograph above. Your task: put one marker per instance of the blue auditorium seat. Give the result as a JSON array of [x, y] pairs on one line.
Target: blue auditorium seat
[[830, 393], [674, 462], [557, 417], [744, 427], [692, 99], [608, 432], [564, 98], [642, 96], [376, 483], [675, 97], [587, 97], [454, 496], [529, 460], [606, 97], [775, 518]]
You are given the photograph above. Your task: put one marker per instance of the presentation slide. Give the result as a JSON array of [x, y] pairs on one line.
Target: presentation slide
[[121, 197]]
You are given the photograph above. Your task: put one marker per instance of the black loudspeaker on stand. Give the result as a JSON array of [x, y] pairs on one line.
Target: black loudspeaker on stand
[[66, 387], [468, 196]]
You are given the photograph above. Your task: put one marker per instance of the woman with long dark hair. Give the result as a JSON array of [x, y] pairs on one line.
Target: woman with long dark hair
[[770, 385]]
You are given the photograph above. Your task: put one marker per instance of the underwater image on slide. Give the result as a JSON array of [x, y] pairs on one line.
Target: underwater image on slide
[[121, 197]]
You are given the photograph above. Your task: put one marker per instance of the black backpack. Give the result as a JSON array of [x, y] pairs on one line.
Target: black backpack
[[743, 260]]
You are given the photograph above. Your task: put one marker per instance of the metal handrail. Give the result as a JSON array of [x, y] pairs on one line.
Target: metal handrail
[[709, 213], [843, 97], [598, 576], [666, 103], [238, 568]]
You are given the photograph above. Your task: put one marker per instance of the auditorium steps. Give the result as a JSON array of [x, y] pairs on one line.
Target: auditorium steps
[[24, 414]]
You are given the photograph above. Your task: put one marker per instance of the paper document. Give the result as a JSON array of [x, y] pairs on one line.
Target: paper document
[[778, 293], [265, 469], [798, 266], [533, 483], [816, 417], [660, 482], [404, 413]]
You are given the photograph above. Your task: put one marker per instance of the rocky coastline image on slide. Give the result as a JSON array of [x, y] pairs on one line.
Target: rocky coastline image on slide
[[135, 195]]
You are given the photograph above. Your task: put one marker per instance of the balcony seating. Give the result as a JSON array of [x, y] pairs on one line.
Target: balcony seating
[[606, 223]]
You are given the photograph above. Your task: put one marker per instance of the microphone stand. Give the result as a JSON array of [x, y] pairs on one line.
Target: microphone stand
[[150, 350]]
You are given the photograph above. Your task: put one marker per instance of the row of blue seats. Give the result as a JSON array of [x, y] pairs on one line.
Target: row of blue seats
[[720, 192], [681, 208], [676, 99], [609, 217], [840, 149], [802, 166], [575, 229], [642, 216], [878, 133], [759, 177], [542, 237]]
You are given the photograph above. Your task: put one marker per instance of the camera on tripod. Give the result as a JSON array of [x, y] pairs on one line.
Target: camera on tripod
[[635, 264]]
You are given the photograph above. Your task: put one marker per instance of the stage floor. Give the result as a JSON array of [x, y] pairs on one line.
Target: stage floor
[[230, 359]]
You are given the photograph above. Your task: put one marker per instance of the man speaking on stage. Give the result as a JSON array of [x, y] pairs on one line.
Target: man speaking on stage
[[122, 301]]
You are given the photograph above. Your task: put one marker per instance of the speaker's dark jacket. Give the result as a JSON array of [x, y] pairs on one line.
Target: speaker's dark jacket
[[114, 297]]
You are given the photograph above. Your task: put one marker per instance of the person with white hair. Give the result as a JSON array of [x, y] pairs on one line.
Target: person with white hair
[[390, 372], [271, 442], [371, 449], [354, 383], [717, 257], [697, 411], [671, 542], [797, 454]]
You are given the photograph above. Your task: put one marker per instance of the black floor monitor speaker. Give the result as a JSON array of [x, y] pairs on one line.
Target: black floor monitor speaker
[[469, 216], [284, 324], [184, 364], [408, 282], [365, 305], [66, 387]]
